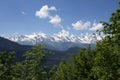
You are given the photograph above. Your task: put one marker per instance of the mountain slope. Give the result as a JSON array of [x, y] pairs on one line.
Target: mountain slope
[[8, 46], [51, 59]]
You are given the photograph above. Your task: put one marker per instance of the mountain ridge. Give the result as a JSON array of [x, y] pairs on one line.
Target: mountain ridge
[[61, 41]]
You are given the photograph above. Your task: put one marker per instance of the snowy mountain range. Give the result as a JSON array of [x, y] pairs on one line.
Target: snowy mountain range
[[61, 41]]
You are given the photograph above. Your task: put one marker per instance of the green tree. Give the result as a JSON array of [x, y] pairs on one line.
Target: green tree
[[78, 68], [107, 58], [6, 63], [31, 67]]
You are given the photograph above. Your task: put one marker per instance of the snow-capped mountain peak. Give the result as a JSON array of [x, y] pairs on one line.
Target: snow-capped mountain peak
[[61, 41]]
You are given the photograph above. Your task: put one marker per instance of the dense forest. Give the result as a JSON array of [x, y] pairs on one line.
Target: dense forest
[[102, 63]]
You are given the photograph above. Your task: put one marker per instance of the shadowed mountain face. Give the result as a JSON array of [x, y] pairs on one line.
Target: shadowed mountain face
[[7, 45]]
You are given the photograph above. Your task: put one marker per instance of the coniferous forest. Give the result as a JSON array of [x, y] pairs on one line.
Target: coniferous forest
[[101, 63]]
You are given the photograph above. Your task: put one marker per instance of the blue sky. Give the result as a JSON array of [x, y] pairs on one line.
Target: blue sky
[[51, 16]]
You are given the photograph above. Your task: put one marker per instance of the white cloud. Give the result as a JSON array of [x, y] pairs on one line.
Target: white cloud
[[96, 26], [44, 12], [53, 8], [80, 25], [22, 12], [55, 20]]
